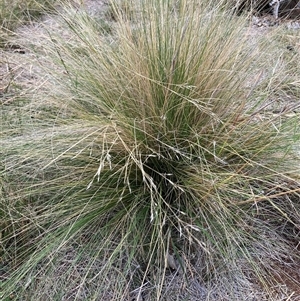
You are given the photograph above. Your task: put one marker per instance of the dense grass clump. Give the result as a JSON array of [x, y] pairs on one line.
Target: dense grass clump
[[163, 157]]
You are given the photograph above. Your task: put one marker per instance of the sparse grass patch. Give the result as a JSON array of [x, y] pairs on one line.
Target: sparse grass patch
[[283, 65], [13, 13], [288, 39], [157, 163]]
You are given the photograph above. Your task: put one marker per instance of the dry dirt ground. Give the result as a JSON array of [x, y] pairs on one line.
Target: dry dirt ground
[[22, 71]]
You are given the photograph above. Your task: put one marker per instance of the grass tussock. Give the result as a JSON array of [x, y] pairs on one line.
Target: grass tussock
[[158, 166]]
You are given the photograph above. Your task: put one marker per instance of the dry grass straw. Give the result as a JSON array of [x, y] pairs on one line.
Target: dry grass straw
[[159, 158]]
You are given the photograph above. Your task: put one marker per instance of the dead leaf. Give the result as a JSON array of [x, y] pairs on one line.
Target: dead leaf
[[171, 262]]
